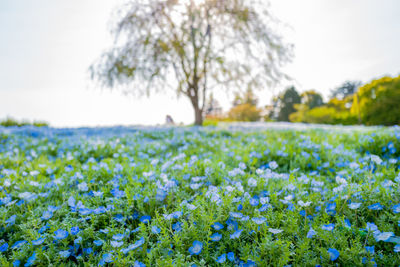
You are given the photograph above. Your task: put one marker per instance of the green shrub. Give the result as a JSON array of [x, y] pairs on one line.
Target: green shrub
[[9, 122]]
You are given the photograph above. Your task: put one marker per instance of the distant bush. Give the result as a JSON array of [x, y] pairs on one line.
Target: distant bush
[[245, 112], [334, 112], [330, 115], [9, 122], [377, 103], [214, 120]]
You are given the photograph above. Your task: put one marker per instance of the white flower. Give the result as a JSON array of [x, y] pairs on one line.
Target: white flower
[[275, 231], [252, 182], [273, 165], [83, 187], [341, 180], [301, 203], [376, 159]]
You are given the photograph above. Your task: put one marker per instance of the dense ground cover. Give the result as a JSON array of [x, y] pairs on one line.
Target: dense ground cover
[[204, 197]]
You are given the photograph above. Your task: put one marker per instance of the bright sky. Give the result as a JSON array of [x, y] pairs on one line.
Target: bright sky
[[47, 47]]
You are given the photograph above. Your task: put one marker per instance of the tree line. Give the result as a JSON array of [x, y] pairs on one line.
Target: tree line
[[374, 103]]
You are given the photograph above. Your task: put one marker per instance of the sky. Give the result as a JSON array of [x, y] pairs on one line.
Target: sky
[[47, 46]]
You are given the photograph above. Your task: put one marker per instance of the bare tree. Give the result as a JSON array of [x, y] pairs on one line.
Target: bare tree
[[193, 47]]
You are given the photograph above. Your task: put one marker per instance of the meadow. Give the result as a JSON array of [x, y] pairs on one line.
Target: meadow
[[188, 196]]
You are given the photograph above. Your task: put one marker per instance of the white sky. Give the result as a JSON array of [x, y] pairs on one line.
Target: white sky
[[47, 46]]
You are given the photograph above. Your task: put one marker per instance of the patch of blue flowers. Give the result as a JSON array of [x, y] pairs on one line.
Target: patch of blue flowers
[[199, 197]]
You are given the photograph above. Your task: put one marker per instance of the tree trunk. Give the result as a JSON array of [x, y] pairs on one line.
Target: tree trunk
[[198, 115]]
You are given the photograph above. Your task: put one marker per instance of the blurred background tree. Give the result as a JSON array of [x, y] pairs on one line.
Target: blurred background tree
[[311, 99], [245, 108], [378, 102], [348, 88], [193, 47], [284, 104]]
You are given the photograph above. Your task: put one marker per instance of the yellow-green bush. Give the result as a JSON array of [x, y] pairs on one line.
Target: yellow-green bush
[[377, 103], [244, 112]]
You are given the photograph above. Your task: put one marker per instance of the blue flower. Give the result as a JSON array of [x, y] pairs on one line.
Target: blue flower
[[139, 264], [396, 248], [117, 193], [87, 251], [71, 201], [107, 258], [116, 244], [145, 219], [396, 208], [98, 243], [138, 243], [371, 227], [38, 241], [118, 237], [347, 223], [231, 256], [328, 227], [16, 263], [52, 208], [259, 220], [311, 233], [64, 253], [4, 247], [97, 194], [31, 260], [119, 218], [236, 215], [83, 187], [254, 201], [218, 226], [177, 226], [155, 230], [376, 206], [196, 248], [18, 244], [75, 230], [60, 234], [78, 240], [85, 211], [11, 220], [331, 208], [264, 207], [222, 258], [43, 229], [236, 234], [333, 254], [250, 263], [370, 249], [384, 236], [216, 237]]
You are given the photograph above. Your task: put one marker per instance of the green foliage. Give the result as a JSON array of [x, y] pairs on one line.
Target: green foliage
[[245, 107], [348, 88], [244, 112], [9, 122], [284, 104], [311, 99], [312, 110], [332, 113], [377, 103]]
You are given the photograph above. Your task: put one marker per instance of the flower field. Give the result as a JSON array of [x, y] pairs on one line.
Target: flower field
[[199, 197]]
